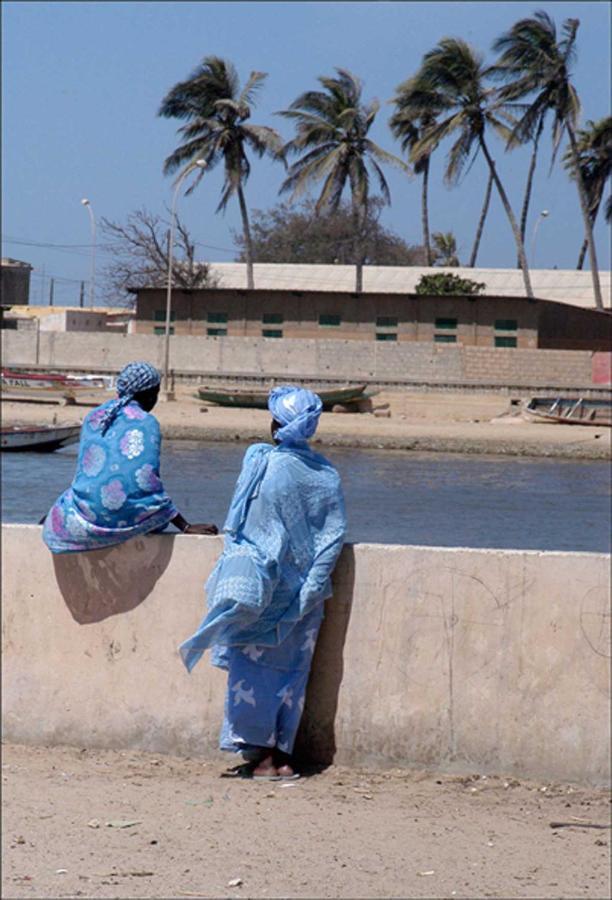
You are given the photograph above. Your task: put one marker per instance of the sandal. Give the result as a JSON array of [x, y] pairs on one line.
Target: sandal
[[244, 770]]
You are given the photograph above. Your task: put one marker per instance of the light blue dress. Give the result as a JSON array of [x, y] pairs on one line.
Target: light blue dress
[[284, 532], [117, 492]]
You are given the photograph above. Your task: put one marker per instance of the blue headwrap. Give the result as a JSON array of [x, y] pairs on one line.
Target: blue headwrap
[[133, 378], [297, 410]]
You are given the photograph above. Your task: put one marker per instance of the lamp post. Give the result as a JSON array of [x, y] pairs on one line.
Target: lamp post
[[543, 215], [92, 278], [197, 164]]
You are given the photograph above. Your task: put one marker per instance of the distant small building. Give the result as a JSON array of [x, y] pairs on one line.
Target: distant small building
[[69, 318], [14, 282]]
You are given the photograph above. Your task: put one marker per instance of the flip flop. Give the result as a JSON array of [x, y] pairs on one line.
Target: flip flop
[[267, 778], [245, 770]]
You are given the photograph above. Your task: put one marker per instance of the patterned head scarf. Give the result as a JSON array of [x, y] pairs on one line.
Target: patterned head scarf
[[133, 378], [297, 410]]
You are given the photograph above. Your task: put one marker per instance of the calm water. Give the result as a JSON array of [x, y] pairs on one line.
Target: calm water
[[392, 496]]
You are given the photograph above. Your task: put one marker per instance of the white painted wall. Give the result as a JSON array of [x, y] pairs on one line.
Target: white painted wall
[[465, 660]]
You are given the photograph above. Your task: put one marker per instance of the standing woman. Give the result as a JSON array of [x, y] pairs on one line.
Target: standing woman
[[117, 492], [284, 531]]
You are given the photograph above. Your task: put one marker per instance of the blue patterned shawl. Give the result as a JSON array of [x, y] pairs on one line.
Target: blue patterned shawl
[[116, 493], [284, 531]]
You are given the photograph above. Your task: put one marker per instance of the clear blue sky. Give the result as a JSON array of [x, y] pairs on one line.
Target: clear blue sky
[[82, 83]]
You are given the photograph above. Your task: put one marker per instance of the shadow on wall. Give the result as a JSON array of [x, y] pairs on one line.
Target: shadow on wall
[[102, 583], [316, 740]]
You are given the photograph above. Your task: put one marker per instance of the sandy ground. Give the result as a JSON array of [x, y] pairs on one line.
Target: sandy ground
[[448, 422], [341, 833]]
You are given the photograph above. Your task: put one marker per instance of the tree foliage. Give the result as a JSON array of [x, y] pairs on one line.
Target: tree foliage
[[138, 256], [446, 283], [296, 234], [332, 143], [216, 110], [445, 249]]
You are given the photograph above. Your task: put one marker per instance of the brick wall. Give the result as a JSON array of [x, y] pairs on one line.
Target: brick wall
[[347, 359]]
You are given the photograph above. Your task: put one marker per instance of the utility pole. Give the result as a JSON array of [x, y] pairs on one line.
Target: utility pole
[[51, 286], [82, 294]]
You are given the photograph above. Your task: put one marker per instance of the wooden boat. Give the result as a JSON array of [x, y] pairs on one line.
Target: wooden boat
[[258, 398], [35, 385], [568, 411], [41, 438]]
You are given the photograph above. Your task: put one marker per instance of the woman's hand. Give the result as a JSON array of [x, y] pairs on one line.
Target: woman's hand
[[201, 529], [183, 525]]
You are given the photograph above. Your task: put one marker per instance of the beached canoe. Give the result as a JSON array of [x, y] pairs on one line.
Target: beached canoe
[[258, 398], [41, 385], [40, 438], [568, 411]]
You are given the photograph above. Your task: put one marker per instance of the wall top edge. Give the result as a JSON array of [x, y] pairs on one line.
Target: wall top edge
[[13, 527]]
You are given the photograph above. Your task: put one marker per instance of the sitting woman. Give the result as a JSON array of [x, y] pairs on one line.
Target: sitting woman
[[284, 531], [117, 493]]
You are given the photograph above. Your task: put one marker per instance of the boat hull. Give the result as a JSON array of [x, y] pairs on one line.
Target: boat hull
[[35, 385], [39, 440], [258, 399], [568, 411]]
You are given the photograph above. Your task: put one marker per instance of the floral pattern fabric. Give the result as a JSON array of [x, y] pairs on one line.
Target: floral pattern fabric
[[117, 492]]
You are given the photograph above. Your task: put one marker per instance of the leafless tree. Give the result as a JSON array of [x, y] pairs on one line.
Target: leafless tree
[[138, 256]]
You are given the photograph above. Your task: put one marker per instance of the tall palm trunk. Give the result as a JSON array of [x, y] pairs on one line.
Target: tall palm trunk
[[586, 216], [481, 222], [513, 224], [248, 244], [529, 184], [585, 243], [425, 212], [359, 218]]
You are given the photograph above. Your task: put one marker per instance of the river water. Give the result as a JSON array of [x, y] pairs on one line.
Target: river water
[[396, 497]]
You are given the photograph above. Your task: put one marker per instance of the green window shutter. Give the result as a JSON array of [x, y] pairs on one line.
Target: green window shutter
[[328, 320], [451, 324], [272, 318], [216, 332], [386, 321], [161, 329], [219, 317], [506, 325], [160, 315], [386, 336], [271, 333], [505, 341], [445, 338]]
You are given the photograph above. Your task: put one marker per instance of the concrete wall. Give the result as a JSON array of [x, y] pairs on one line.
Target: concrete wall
[[465, 660], [320, 359]]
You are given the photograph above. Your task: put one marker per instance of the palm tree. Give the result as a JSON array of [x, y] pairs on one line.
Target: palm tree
[[481, 222], [409, 129], [452, 77], [445, 244], [332, 137], [511, 45], [594, 144], [539, 64], [216, 111]]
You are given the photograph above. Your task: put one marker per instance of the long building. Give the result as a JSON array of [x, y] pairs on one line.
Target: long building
[[319, 302]]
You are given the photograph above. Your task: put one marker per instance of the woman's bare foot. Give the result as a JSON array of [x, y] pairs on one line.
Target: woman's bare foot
[[265, 768]]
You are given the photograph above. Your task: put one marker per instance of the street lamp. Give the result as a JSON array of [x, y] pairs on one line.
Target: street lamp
[[197, 164], [92, 279], [543, 215]]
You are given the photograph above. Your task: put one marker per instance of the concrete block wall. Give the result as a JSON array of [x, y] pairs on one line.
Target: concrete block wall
[[461, 660], [415, 361]]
